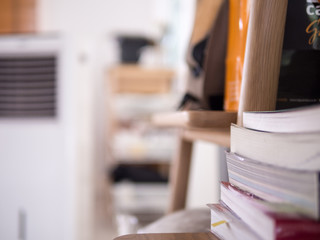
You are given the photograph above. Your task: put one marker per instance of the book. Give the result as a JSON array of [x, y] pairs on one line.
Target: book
[[236, 46], [290, 150], [303, 119], [227, 225], [276, 184], [299, 83], [265, 222]]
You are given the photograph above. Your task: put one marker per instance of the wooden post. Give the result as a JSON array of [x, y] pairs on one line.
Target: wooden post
[[179, 175], [263, 55]]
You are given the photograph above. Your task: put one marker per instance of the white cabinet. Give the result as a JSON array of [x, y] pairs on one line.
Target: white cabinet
[[34, 181], [37, 150]]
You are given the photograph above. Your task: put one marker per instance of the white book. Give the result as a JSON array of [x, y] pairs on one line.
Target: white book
[[277, 185], [290, 150], [303, 119], [227, 225]]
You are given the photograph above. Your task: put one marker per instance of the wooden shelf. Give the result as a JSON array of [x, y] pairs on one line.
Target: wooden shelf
[[195, 119], [210, 126], [169, 236], [132, 78], [220, 136]]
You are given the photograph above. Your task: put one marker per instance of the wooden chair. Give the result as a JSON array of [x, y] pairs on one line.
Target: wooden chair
[[258, 92]]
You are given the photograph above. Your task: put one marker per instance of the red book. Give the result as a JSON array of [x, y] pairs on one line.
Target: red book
[[269, 220]]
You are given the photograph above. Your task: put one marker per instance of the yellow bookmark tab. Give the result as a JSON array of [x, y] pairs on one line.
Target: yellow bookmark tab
[[218, 223]]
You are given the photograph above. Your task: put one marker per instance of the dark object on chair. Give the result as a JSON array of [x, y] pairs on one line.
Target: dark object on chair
[[131, 47]]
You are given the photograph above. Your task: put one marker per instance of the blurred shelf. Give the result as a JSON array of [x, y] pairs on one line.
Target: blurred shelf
[[133, 78], [220, 136], [195, 119], [143, 154], [143, 200]]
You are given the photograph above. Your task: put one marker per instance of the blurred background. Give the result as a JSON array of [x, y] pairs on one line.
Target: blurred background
[[79, 81]]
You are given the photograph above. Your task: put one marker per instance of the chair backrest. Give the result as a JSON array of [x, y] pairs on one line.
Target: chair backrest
[[263, 55]]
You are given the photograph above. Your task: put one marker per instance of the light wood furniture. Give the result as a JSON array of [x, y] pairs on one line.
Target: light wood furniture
[[169, 236], [133, 78], [258, 92], [195, 119], [262, 57], [206, 12], [211, 126], [17, 16]]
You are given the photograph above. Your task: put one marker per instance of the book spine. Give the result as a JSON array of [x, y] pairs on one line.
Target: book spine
[[238, 13]]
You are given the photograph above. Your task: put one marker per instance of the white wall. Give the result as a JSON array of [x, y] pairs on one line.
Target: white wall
[[98, 16], [208, 168]]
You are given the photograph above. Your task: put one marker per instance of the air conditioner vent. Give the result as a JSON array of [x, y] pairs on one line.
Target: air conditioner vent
[[28, 86]]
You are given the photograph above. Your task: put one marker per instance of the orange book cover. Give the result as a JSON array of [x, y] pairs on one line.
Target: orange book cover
[[237, 34]]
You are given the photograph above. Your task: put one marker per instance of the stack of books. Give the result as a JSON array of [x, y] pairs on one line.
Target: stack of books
[[274, 178]]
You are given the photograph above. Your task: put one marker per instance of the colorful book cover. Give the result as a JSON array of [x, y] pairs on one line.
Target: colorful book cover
[[266, 222]]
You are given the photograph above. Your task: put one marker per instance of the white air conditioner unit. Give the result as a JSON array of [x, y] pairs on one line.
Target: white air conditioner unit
[[37, 142]]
